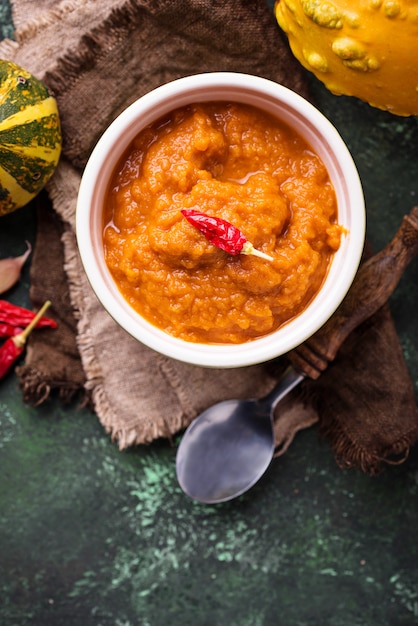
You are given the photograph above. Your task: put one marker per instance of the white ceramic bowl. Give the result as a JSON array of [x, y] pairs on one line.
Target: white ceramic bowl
[[297, 113]]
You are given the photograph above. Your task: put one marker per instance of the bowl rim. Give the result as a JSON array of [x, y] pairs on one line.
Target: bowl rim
[[204, 87]]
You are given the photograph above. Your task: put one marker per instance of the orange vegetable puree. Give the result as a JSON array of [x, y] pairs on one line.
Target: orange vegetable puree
[[238, 163]]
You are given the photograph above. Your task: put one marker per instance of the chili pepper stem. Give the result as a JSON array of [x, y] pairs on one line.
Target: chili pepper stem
[[20, 339], [249, 249]]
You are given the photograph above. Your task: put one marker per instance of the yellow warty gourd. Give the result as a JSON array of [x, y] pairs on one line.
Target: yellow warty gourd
[[362, 48]]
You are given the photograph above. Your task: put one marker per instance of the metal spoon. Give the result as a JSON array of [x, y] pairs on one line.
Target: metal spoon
[[227, 449]]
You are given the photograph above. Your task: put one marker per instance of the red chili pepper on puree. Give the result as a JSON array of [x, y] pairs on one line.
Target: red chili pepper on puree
[[222, 234]]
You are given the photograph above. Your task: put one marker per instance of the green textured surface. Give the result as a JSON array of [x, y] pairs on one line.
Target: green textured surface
[[90, 536]]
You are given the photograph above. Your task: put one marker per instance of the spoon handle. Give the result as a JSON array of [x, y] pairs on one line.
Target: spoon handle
[[374, 283]]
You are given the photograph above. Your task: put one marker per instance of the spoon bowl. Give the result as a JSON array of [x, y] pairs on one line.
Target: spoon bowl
[[227, 449]]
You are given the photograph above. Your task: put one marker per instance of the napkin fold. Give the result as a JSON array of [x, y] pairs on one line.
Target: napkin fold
[[52, 358], [97, 59], [366, 399]]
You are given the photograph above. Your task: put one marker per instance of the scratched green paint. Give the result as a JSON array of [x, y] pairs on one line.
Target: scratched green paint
[[6, 26], [114, 527]]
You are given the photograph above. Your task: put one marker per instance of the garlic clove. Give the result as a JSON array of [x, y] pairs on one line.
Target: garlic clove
[[11, 268]]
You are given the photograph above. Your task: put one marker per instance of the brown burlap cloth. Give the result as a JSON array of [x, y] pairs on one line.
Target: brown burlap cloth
[[97, 58]]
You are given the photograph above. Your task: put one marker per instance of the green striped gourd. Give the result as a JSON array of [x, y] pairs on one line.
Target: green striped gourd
[[30, 136]]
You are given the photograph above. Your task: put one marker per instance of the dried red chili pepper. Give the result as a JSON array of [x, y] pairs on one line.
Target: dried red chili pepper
[[222, 234], [9, 330], [9, 353], [13, 347], [19, 316]]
